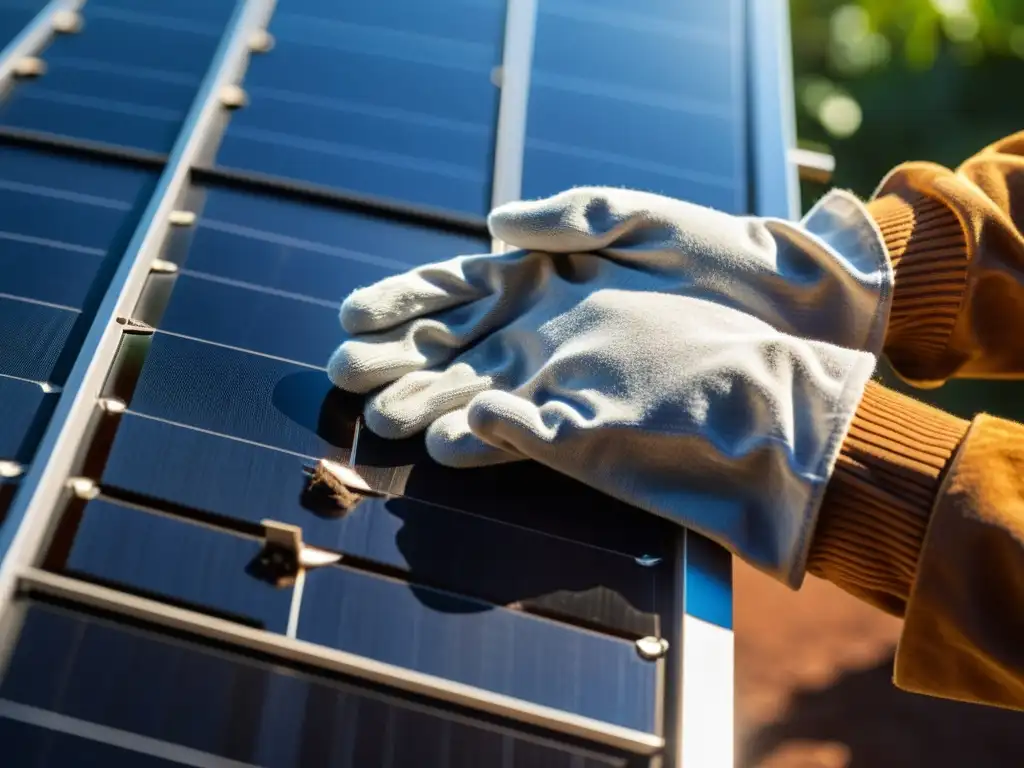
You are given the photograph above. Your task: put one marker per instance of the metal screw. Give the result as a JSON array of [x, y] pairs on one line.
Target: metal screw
[[651, 648], [30, 66], [67, 22], [112, 405], [261, 41], [233, 96], [647, 560], [163, 267], [182, 218], [84, 488], [11, 469]]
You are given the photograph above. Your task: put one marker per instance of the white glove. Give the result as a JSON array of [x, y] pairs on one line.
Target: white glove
[[635, 371], [827, 278]]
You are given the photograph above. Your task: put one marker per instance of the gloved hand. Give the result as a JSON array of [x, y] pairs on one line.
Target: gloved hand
[[636, 371], [827, 278]]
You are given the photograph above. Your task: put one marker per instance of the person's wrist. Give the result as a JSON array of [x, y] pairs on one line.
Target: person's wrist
[[928, 249], [878, 503]]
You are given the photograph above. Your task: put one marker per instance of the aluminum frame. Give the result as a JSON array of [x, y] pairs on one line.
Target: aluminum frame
[[772, 110], [35, 506], [37, 581]]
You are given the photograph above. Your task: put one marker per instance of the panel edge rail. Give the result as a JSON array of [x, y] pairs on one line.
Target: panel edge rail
[[36, 505], [360, 667], [36, 34]]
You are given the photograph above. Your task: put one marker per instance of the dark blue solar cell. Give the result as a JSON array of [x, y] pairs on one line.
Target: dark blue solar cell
[[292, 327], [34, 336], [212, 11], [311, 250], [15, 16], [61, 219], [25, 408], [122, 80], [139, 551], [651, 98], [388, 99], [232, 707], [268, 401], [476, 644], [463, 552], [32, 746]]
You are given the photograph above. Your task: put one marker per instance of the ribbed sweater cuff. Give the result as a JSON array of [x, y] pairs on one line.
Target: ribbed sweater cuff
[[877, 506], [928, 249]]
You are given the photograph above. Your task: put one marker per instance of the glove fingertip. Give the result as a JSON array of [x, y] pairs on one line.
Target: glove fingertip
[[345, 371]]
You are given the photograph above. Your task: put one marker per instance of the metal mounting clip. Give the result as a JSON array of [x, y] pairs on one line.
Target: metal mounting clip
[[284, 554]]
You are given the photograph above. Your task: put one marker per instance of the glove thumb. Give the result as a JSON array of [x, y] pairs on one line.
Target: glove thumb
[[509, 423]]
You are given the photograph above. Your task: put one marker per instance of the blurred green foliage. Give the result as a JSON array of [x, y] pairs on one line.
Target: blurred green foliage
[[879, 82]]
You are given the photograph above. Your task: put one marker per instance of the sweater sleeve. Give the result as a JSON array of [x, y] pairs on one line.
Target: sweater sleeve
[[924, 518], [957, 251]]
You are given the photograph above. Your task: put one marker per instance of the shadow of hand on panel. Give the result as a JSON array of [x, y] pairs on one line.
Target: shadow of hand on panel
[[869, 723], [510, 566], [479, 533], [310, 400]]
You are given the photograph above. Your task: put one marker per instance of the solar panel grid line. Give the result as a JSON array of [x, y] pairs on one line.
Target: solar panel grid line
[[36, 581], [31, 514]]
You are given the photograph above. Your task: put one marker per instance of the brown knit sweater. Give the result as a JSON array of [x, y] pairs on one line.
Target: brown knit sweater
[[958, 310]]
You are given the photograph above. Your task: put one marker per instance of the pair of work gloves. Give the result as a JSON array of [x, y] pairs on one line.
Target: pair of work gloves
[[697, 365]]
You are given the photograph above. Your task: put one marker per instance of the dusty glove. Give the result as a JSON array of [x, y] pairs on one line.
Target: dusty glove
[[827, 278]]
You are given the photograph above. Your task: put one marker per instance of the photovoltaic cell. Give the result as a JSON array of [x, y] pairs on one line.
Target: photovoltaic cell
[[250, 397], [122, 79], [63, 225], [15, 15], [428, 544], [471, 642], [646, 97], [389, 99], [39, 747], [61, 221], [286, 326], [311, 250], [155, 555], [25, 409], [71, 666]]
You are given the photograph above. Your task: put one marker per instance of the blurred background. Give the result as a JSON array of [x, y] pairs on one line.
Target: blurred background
[[878, 82]]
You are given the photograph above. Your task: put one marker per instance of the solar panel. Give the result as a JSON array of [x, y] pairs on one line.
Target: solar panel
[[173, 254], [123, 80]]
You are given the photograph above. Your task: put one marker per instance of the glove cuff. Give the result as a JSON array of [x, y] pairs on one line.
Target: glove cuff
[[876, 509], [928, 250]]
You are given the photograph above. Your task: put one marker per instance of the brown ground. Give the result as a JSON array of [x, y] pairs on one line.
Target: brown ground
[[813, 690]]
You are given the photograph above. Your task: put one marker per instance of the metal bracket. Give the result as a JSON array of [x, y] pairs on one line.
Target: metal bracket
[[182, 218], [812, 165], [135, 327], [284, 555], [163, 267]]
